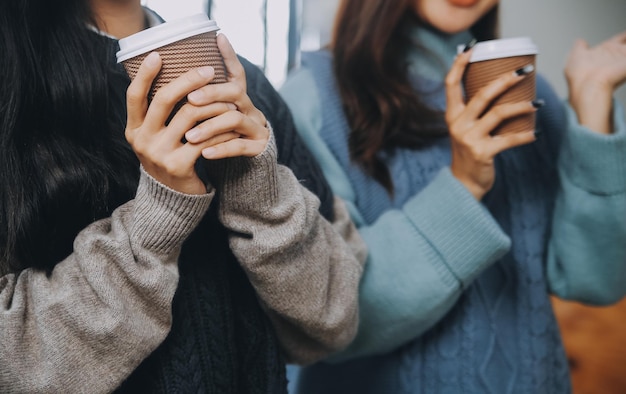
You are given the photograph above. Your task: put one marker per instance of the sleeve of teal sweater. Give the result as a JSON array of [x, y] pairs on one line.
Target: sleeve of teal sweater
[[587, 252], [421, 257]]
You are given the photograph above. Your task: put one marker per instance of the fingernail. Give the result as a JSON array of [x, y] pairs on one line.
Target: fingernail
[[208, 153], [196, 95], [152, 59], [206, 72], [192, 134], [538, 103], [231, 106], [470, 44], [527, 69]]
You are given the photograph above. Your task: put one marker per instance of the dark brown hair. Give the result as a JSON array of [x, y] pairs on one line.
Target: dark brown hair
[[369, 46]]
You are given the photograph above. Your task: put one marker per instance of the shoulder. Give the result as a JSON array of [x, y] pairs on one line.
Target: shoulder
[[320, 56], [309, 85], [300, 84], [320, 64], [300, 92]]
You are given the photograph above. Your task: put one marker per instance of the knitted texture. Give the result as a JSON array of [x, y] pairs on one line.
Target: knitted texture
[[292, 152], [501, 336], [221, 340]]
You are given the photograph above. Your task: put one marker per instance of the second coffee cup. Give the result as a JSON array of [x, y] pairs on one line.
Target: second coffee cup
[[488, 61]]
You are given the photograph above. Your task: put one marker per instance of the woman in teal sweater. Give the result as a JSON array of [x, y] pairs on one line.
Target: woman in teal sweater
[[468, 233]]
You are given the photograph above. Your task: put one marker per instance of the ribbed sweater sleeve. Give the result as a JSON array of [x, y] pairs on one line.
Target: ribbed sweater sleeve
[[104, 308], [590, 215], [303, 271]]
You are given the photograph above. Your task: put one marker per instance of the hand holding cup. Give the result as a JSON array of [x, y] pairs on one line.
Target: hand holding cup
[[476, 122], [167, 131], [157, 137], [247, 121]]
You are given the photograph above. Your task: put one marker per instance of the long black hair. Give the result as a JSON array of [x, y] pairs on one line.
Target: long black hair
[[64, 161]]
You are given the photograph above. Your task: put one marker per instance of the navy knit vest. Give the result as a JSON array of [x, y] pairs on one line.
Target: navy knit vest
[[501, 336]]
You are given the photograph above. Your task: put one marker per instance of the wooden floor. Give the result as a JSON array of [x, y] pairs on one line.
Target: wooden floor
[[595, 342]]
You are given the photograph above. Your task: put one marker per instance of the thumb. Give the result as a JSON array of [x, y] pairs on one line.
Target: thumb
[[234, 68], [137, 92]]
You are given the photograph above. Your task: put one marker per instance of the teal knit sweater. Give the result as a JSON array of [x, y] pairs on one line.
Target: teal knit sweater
[[455, 294]]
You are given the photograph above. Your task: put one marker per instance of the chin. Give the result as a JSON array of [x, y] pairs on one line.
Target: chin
[[451, 29], [450, 19]]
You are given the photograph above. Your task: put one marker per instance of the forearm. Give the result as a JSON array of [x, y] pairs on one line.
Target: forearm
[[104, 308], [421, 258], [320, 316], [593, 106], [305, 274]]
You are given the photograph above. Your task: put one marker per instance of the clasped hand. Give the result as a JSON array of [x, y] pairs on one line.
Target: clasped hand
[[471, 125], [217, 121]]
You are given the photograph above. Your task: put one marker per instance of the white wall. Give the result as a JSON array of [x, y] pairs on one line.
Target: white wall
[[555, 24]]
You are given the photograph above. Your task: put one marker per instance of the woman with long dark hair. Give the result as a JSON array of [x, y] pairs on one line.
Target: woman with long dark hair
[[94, 233], [85, 288], [468, 232]]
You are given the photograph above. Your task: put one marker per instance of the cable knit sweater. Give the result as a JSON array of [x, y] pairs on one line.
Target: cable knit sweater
[[454, 297]]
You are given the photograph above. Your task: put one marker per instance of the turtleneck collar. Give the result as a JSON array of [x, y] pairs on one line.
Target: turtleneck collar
[[442, 50]]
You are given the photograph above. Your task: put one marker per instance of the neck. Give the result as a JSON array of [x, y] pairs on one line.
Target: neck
[[442, 46], [119, 18]]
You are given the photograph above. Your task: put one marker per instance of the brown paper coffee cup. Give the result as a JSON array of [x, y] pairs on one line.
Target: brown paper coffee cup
[[491, 59], [183, 44]]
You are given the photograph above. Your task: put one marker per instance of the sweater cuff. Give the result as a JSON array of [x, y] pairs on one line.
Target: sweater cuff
[[459, 227], [592, 161], [245, 184], [165, 217]]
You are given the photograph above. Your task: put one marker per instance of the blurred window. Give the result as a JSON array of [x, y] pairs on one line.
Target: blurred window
[[269, 33]]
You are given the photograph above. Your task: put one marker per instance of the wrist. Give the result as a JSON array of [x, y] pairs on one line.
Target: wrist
[[592, 103], [474, 188]]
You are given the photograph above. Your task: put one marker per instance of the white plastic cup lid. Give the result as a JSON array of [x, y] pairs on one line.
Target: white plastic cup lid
[[163, 34], [503, 47]]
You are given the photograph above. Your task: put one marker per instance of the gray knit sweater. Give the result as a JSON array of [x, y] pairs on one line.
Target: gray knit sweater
[[108, 306]]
